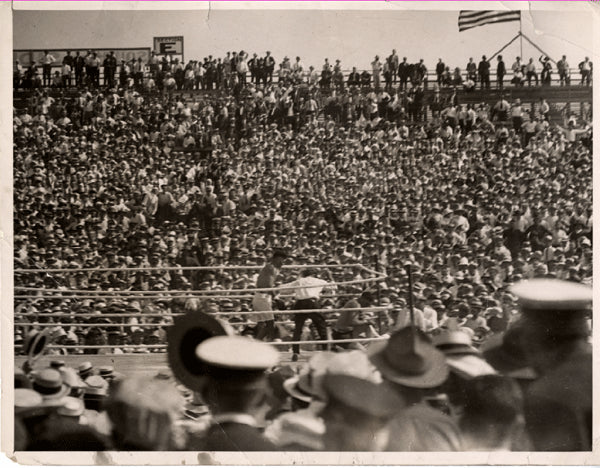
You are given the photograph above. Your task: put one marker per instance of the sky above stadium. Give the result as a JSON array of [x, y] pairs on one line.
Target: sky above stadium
[[353, 36]]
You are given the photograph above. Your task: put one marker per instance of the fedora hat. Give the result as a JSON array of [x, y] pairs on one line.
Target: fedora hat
[[299, 387], [409, 358], [49, 383], [454, 342]]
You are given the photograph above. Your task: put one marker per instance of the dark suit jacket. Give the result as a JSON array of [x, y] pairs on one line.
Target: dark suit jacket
[[236, 437], [558, 406]]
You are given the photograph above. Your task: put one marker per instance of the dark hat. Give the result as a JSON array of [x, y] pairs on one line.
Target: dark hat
[[363, 396], [506, 353], [410, 359], [559, 307], [299, 387]]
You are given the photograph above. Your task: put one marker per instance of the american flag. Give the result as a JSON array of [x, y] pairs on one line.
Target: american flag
[[468, 19]]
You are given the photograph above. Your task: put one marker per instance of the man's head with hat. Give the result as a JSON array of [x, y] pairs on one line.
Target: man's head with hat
[[555, 319], [235, 368], [411, 362], [357, 412]]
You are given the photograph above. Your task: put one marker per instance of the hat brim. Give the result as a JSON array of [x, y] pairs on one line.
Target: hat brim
[[469, 366], [54, 398], [433, 377], [291, 387]]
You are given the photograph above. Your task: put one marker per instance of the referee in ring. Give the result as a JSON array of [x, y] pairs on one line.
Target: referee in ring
[[307, 290]]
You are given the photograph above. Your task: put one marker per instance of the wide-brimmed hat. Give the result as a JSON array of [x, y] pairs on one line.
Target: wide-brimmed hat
[[410, 359], [355, 394]]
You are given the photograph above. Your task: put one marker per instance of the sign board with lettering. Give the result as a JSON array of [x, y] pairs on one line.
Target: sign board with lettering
[[172, 45]]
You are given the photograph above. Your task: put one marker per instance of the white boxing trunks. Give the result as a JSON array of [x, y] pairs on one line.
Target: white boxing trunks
[[263, 303]]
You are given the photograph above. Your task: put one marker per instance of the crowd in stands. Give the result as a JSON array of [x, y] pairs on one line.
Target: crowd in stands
[[237, 69], [475, 198]]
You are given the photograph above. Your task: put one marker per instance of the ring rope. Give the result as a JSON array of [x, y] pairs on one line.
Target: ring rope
[[124, 296], [219, 314], [116, 325], [278, 288], [273, 343]]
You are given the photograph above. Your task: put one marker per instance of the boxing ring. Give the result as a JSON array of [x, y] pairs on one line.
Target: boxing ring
[[125, 320]]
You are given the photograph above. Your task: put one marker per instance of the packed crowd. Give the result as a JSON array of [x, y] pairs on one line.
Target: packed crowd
[[120, 180], [237, 69], [476, 199]]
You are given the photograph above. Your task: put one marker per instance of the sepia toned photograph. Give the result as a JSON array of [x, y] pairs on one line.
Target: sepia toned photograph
[[317, 229]]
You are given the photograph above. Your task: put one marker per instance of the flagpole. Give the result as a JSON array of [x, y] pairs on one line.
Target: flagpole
[[521, 34]]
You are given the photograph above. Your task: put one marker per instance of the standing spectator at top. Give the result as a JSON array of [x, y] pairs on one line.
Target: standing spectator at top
[[484, 73], [138, 72], [68, 59], [394, 62], [253, 67], [500, 72], [110, 67], [66, 74], [242, 67], [403, 73], [585, 68], [531, 72], [439, 70], [47, 62], [471, 70], [517, 65], [269, 66], [546, 71], [387, 74], [376, 67], [563, 71], [78, 65], [421, 74]]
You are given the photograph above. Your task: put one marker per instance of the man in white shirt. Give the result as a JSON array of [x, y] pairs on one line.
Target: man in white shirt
[[47, 62], [585, 68], [307, 290]]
